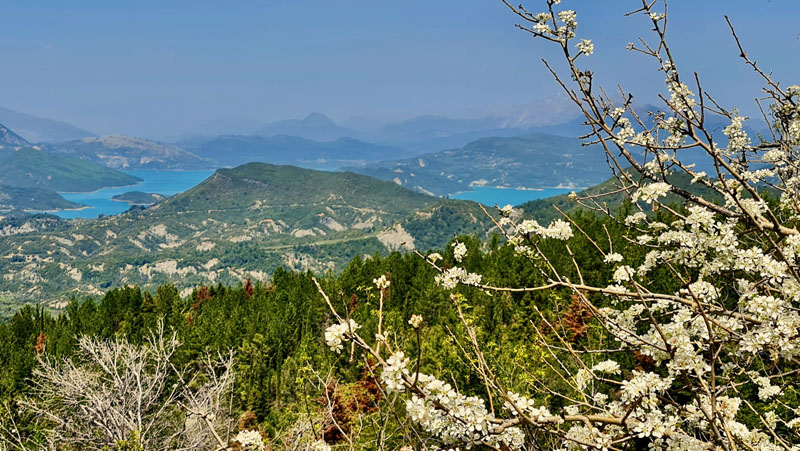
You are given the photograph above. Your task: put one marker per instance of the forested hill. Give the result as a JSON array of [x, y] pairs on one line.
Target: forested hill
[[238, 223], [267, 184], [32, 168], [532, 161], [545, 210]]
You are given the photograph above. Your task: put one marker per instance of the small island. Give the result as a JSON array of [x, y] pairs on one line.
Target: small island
[[138, 198]]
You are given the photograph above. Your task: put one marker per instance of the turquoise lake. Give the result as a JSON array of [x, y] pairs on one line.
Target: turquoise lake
[[173, 182], [161, 182], [504, 196]]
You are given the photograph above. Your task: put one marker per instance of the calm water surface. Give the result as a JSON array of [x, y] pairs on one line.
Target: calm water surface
[[504, 196], [161, 182]]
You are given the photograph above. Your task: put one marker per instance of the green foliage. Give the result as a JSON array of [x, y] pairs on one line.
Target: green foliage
[[543, 209], [138, 198], [31, 168], [277, 328], [19, 198]]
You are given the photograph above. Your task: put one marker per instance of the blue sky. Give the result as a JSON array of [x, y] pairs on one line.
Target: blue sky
[[157, 68]]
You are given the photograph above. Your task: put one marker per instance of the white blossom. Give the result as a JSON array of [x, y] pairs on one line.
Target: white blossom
[[585, 46], [459, 251], [320, 445], [382, 282], [651, 192], [250, 440], [335, 334]]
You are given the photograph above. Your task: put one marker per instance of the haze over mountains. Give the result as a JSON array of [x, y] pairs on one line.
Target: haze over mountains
[[531, 161], [51, 150], [318, 126], [457, 152], [423, 133], [233, 150], [124, 152], [40, 130]]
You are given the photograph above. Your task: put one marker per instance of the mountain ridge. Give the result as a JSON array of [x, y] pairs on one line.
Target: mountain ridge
[[233, 150], [38, 129], [125, 152], [530, 161]]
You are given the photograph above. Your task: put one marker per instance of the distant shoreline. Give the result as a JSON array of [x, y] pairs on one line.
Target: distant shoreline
[[521, 188], [82, 207], [99, 189], [132, 203]]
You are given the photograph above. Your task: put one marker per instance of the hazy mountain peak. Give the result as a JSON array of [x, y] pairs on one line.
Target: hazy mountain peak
[[318, 118], [315, 126], [225, 126], [39, 129], [539, 113]]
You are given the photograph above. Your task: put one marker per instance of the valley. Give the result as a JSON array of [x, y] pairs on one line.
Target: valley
[[238, 223], [169, 218]]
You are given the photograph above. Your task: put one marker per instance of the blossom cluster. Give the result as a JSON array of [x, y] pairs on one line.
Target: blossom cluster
[[250, 440], [450, 278], [335, 334], [459, 251], [444, 412], [382, 282]]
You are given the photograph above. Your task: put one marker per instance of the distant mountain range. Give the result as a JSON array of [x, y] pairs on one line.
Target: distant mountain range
[[41, 130], [124, 152], [240, 222], [533, 161], [233, 150], [517, 146], [419, 134]]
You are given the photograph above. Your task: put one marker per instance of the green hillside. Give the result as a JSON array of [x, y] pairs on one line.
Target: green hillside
[[533, 161], [276, 185], [32, 168], [240, 222], [16, 198], [543, 209], [138, 198]]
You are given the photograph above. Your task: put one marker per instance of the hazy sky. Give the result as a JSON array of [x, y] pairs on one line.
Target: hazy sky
[[157, 68]]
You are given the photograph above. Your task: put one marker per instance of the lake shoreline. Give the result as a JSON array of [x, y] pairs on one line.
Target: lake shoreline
[[100, 202], [521, 188], [82, 207], [99, 189], [502, 195]]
